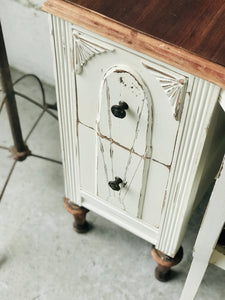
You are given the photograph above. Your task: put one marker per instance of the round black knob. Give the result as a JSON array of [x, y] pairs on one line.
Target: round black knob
[[119, 110], [115, 184]]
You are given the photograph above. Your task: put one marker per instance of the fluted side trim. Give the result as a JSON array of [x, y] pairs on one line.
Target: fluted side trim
[[184, 178], [67, 110]]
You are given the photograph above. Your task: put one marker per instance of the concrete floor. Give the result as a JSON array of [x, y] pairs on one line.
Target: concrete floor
[[41, 257]]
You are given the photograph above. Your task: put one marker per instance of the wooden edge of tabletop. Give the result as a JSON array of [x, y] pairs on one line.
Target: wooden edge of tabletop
[[137, 40]]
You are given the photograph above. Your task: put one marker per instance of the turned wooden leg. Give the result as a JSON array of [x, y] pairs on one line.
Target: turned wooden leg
[[165, 262], [80, 224]]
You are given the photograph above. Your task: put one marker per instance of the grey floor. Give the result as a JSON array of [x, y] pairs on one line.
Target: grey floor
[[41, 257]]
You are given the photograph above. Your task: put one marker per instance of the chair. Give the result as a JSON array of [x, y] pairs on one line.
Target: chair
[[206, 249]]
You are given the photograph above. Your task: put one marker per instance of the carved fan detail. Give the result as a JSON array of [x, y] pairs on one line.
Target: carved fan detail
[[174, 86], [85, 49]]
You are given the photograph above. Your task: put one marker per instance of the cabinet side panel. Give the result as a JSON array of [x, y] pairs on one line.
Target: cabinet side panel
[[213, 152], [66, 101], [183, 182]]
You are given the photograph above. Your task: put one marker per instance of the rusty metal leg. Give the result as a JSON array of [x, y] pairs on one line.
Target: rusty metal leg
[[20, 151]]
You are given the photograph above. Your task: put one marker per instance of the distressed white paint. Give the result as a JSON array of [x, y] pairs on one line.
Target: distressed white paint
[[121, 83], [66, 98], [156, 182], [165, 127], [174, 86], [114, 161], [211, 227], [155, 194], [186, 171], [87, 158], [123, 219], [175, 146], [92, 177], [85, 49]]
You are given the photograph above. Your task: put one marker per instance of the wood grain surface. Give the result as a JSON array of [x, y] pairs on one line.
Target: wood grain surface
[[195, 25], [188, 34]]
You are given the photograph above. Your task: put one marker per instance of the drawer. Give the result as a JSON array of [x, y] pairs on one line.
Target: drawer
[[125, 110], [101, 161], [108, 75]]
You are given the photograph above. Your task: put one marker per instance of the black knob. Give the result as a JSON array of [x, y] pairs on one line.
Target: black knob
[[119, 110], [115, 184]]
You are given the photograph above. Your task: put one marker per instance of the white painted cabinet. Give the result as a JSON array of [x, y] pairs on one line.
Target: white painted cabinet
[[133, 131]]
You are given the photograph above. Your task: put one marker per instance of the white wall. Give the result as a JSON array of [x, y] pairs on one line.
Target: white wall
[[26, 34]]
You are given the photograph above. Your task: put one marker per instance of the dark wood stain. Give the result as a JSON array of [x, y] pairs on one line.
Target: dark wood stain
[[197, 26]]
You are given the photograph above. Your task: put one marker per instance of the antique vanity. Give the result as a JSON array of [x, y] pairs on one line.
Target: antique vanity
[[139, 86]]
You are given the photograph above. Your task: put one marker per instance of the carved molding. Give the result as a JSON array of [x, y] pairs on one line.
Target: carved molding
[[174, 85], [84, 49]]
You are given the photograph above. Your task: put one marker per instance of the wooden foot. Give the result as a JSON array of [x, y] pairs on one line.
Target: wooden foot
[[80, 224], [165, 262]]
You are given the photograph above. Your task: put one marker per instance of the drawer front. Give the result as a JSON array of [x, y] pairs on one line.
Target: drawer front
[[125, 110], [144, 181], [107, 75], [121, 177]]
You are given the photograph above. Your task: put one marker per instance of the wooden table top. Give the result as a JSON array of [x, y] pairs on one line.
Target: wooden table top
[[188, 34]]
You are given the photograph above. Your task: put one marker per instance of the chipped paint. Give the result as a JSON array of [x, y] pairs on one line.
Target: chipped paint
[[118, 144], [86, 48], [129, 81], [110, 126], [114, 142], [124, 71], [174, 85], [159, 162]]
